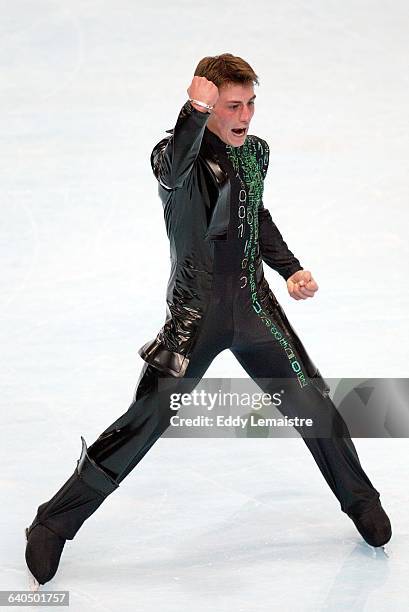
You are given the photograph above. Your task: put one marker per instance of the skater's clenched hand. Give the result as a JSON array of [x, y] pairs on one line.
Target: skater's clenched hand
[[301, 285], [203, 90]]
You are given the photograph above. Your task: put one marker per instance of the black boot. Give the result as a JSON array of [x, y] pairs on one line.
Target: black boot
[[373, 525], [59, 519]]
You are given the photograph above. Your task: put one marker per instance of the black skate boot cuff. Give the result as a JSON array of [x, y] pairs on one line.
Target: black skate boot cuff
[[77, 499], [93, 475]]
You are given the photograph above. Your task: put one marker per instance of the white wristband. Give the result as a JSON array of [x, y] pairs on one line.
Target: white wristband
[[199, 103]]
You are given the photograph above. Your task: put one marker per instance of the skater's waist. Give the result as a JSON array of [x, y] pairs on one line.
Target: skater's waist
[[228, 283]]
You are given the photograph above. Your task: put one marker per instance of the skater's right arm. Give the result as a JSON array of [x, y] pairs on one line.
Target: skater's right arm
[[173, 159]]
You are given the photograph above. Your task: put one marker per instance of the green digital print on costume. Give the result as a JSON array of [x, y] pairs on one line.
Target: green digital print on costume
[[248, 161]]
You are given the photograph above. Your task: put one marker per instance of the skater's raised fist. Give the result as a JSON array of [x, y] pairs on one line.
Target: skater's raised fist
[[203, 90]]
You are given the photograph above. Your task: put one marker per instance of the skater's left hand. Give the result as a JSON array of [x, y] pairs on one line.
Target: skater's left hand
[[301, 285]]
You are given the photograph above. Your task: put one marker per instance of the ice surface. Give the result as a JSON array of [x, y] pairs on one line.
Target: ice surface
[[86, 90]]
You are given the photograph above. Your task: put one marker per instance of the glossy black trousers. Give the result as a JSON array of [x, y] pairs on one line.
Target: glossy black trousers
[[231, 323]]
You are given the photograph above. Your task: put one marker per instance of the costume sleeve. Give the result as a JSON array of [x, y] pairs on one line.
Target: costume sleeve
[[173, 157], [273, 249]]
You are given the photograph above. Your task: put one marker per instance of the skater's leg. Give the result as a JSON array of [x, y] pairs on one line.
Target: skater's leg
[[118, 450], [59, 519], [263, 356], [124, 443], [327, 439]]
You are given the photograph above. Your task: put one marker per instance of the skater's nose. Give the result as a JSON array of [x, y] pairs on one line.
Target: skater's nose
[[246, 113]]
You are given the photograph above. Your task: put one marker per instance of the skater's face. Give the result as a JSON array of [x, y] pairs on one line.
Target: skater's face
[[232, 111]]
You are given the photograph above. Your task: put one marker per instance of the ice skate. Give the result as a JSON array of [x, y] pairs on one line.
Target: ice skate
[[374, 525], [59, 519], [43, 553]]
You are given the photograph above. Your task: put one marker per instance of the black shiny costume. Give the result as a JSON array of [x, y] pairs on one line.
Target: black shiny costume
[[231, 321]]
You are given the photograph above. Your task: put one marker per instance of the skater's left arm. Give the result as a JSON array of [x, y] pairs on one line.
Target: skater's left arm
[[275, 252]]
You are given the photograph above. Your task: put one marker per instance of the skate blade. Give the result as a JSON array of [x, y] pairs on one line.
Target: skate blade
[[33, 583], [378, 551]]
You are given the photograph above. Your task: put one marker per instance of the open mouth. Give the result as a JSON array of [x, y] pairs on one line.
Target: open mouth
[[239, 131]]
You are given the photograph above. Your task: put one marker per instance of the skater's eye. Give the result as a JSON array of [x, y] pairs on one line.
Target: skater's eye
[[233, 106]]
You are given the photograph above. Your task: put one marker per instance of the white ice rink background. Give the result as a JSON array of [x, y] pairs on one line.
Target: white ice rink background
[[86, 90]]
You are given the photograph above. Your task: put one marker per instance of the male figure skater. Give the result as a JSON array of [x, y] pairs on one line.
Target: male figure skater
[[210, 172]]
